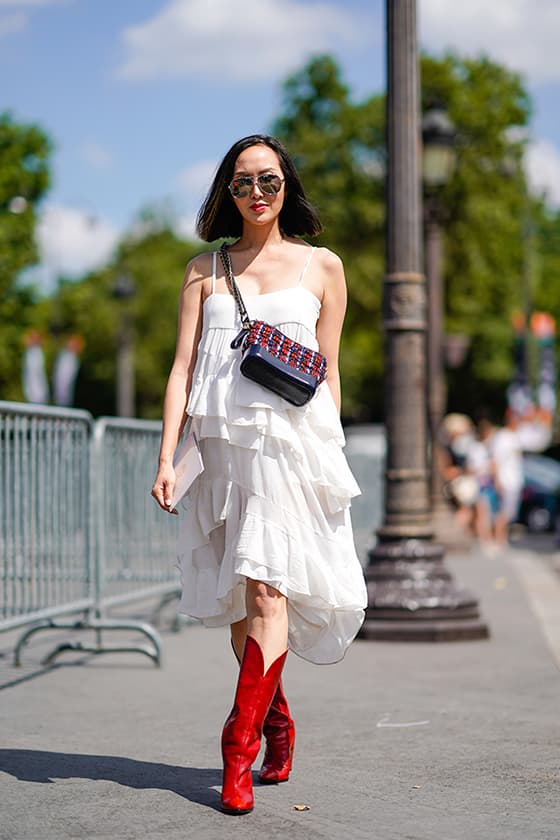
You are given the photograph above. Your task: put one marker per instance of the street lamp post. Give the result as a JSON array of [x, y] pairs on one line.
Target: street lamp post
[[124, 290], [438, 162], [411, 593]]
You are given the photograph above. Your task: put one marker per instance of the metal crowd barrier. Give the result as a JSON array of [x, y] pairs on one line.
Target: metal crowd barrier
[[45, 526], [136, 541], [79, 532]]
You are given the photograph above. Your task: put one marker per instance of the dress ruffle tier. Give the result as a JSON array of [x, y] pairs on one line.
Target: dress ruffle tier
[[272, 504]]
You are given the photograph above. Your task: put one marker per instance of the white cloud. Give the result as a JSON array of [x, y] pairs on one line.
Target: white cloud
[[71, 242], [12, 23], [195, 180], [194, 183], [185, 227], [543, 170], [520, 33], [249, 40], [16, 21], [96, 155]]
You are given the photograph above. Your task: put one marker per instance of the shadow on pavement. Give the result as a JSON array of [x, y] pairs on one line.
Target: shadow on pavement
[[12, 683], [541, 543], [192, 783]]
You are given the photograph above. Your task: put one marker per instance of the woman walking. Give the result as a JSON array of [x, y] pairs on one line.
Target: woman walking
[[266, 543]]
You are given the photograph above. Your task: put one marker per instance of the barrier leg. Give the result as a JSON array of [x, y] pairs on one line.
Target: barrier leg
[[152, 651]]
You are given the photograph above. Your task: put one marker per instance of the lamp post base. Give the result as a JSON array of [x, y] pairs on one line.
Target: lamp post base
[[413, 597]]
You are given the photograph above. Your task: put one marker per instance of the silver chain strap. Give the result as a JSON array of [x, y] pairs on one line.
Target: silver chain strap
[[226, 262]]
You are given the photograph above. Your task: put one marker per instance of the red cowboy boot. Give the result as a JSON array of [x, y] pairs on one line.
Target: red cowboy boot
[[241, 737], [280, 733]]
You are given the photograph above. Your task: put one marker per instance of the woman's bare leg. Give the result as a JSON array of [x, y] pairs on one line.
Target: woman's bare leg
[[238, 635], [267, 619]]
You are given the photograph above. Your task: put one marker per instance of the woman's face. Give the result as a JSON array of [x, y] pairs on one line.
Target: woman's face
[[259, 207]]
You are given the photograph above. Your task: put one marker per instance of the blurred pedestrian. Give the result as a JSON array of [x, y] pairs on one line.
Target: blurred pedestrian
[[34, 375], [460, 488], [530, 433], [543, 329], [66, 369], [481, 465], [528, 418]]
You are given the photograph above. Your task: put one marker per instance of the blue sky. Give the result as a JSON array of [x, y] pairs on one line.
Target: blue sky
[[143, 97]]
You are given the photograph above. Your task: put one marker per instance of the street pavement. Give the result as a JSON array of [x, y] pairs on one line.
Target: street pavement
[[400, 741]]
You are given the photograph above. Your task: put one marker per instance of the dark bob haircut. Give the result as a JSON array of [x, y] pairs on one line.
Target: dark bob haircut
[[219, 217]]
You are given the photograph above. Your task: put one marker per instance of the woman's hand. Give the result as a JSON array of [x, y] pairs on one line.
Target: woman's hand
[[162, 491]]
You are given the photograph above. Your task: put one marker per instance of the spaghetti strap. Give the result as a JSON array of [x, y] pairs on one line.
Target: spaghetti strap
[[302, 275], [214, 272]]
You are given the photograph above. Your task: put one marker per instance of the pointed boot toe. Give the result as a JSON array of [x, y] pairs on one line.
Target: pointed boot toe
[[237, 804]]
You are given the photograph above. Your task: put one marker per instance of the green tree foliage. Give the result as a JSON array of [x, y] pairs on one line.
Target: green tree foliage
[[485, 207], [339, 147], [543, 279], [24, 179], [156, 264]]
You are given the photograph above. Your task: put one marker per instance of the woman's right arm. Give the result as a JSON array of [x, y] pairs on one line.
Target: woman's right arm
[[180, 378]]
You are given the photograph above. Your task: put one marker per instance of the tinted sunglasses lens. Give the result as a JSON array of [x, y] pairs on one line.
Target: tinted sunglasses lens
[[241, 187], [269, 184]]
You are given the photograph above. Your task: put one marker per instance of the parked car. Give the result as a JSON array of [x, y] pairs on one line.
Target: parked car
[[540, 499]]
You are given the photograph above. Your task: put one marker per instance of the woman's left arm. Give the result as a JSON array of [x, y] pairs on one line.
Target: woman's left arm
[[331, 319]]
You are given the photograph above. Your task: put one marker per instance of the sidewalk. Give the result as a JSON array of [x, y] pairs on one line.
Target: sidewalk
[[445, 741]]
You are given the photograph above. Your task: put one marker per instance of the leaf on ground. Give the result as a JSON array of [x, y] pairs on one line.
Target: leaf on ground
[[301, 808]]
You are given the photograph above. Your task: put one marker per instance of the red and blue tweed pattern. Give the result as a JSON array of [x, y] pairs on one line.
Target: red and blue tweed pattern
[[286, 350]]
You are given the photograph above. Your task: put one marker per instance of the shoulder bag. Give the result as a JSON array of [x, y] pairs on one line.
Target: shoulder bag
[[271, 358]]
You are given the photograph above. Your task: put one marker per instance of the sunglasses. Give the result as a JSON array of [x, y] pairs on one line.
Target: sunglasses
[[269, 184]]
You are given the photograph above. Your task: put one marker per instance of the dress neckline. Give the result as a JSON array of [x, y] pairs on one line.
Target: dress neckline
[[265, 294]]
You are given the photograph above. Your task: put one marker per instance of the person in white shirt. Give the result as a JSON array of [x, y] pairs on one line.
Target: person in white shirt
[[530, 433]]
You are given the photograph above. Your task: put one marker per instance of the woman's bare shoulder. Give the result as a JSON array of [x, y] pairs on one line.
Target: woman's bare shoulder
[[198, 269], [330, 263], [200, 266], [328, 259]]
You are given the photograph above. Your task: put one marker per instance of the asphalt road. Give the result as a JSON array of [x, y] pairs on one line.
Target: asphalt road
[[417, 741]]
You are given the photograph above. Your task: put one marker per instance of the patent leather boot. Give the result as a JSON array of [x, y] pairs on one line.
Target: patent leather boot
[[242, 733], [280, 733]]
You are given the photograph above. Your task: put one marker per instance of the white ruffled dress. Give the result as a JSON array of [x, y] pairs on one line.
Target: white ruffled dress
[[273, 502]]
